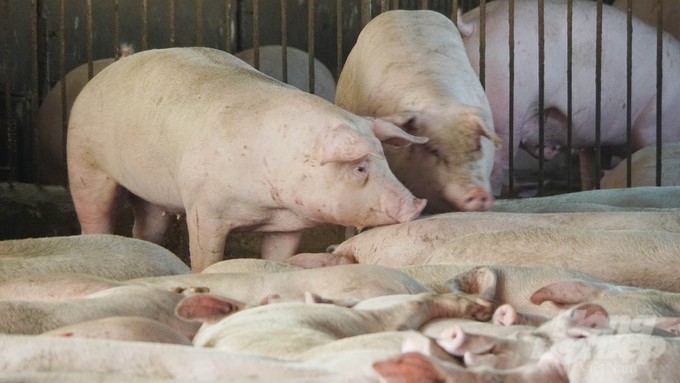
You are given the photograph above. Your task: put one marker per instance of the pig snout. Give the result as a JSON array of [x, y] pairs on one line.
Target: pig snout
[[401, 208], [472, 199]]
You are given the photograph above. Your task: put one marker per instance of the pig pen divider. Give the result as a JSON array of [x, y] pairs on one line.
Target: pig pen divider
[[42, 40]]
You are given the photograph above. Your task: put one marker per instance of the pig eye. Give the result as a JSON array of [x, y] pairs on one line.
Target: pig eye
[[360, 169]]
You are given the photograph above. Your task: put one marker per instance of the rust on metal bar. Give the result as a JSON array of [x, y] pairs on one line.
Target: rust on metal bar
[[454, 11]]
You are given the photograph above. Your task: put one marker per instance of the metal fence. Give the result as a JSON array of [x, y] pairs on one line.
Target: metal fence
[[42, 40]]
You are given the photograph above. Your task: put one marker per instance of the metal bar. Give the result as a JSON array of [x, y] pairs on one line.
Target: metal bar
[[116, 27], [424, 4], [311, 21], [62, 79], [541, 93], [284, 40], [144, 12], [199, 23], [11, 125], [383, 6], [454, 11], [171, 23], [366, 12], [338, 36], [228, 21], [35, 87], [89, 38], [482, 42], [511, 96], [570, 89], [256, 34], [659, 88], [629, 93], [598, 95]]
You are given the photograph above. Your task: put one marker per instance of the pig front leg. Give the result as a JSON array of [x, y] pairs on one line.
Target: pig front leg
[[279, 246], [151, 221], [207, 238]]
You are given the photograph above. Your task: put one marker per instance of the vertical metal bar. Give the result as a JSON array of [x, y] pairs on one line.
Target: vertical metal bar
[[383, 6], [89, 38], [11, 127], [424, 4], [35, 88], [284, 40], [256, 34], [62, 78], [511, 96], [366, 12], [171, 23], [116, 27], [311, 21], [199, 23], [228, 21], [338, 36], [541, 93], [570, 84], [629, 93], [659, 88], [145, 24], [454, 11], [598, 95], [482, 42]]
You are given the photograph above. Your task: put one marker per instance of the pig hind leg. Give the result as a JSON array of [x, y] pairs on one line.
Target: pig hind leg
[[151, 221], [97, 198]]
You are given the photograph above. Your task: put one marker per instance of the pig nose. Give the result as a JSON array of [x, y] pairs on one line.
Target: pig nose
[[474, 199]]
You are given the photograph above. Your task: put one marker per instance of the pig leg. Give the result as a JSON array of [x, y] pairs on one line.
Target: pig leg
[[151, 222], [278, 246], [97, 199], [207, 238]]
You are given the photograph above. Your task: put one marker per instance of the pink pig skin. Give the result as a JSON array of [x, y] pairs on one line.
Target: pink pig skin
[[198, 131], [614, 73]]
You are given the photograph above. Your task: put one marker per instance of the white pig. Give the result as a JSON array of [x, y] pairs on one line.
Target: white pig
[[410, 67], [103, 255], [613, 101], [643, 168], [199, 132], [298, 68]]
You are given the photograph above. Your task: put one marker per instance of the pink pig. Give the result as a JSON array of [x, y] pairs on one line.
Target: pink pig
[[199, 132]]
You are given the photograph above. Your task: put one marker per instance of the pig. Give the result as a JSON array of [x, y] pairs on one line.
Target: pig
[[647, 11], [613, 100], [249, 265], [298, 327], [643, 168], [417, 240], [652, 199], [149, 362], [298, 68], [307, 162], [51, 155], [35, 317], [102, 255], [129, 328], [410, 67], [615, 256]]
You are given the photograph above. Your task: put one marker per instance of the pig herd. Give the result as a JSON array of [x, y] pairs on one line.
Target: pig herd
[[580, 287]]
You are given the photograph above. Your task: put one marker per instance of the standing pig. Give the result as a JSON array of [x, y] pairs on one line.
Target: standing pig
[[410, 67], [199, 132], [647, 11], [643, 168], [613, 100]]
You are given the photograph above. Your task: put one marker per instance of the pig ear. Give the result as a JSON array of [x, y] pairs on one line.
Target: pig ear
[[389, 133], [586, 319], [207, 308], [480, 281], [568, 293], [471, 118], [410, 367], [342, 144], [670, 324]]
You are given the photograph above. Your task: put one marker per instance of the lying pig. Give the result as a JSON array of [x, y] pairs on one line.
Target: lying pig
[[613, 100], [103, 255], [648, 11], [298, 68], [298, 327], [49, 121], [244, 152], [643, 168], [34, 317], [410, 67]]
